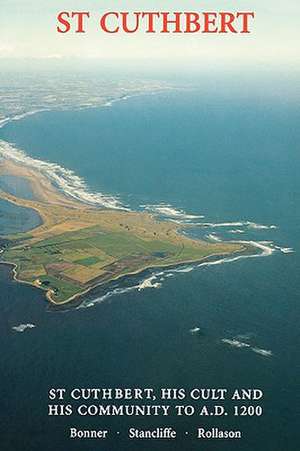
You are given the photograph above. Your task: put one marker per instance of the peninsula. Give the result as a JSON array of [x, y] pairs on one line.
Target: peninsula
[[77, 246]]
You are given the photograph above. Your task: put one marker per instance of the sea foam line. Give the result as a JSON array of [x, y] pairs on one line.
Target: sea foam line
[[109, 294], [213, 237], [285, 250], [20, 116], [266, 251], [180, 216], [248, 224], [65, 179], [23, 327], [169, 211], [149, 282], [235, 343]]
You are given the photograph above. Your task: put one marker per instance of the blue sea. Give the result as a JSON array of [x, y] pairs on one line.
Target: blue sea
[[232, 161]]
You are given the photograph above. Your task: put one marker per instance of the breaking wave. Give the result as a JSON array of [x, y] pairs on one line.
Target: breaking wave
[[149, 282], [234, 342], [253, 225], [265, 248], [23, 327], [248, 224], [109, 294], [181, 270], [246, 337], [285, 250], [18, 117], [168, 211], [65, 179], [195, 330], [180, 216], [213, 237], [265, 252], [109, 103], [263, 352]]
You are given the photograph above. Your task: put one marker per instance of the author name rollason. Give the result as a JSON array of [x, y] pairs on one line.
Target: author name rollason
[[158, 22]]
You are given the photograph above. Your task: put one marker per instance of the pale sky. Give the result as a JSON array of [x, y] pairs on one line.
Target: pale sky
[[28, 30]]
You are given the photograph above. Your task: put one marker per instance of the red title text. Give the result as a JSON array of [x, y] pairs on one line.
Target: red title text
[[113, 22]]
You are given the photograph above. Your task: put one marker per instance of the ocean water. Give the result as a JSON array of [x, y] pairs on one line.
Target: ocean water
[[184, 155], [17, 186], [14, 219]]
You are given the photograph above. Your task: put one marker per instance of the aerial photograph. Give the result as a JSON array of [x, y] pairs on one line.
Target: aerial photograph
[[149, 225]]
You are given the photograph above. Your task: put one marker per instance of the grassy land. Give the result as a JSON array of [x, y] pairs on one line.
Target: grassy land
[[78, 247]]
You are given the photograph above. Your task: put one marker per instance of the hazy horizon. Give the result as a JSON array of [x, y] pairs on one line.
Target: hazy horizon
[[28, 34]]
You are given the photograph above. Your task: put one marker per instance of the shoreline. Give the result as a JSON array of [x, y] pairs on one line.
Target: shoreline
[[48, 292], [133, 273], [106, 103]]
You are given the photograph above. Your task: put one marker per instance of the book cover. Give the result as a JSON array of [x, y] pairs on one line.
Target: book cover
[[149, 238]]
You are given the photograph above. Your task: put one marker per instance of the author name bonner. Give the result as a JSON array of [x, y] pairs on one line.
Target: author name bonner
[[79, 433], [216, 433]]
